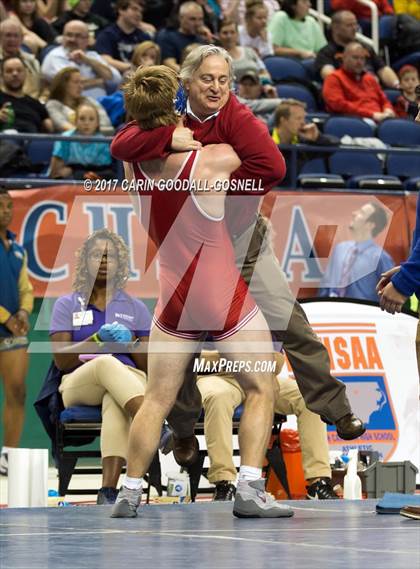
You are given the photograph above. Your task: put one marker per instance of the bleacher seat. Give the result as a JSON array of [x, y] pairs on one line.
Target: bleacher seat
[[399, 132], [392, 95], [40, 152], [405, 165], [299, 92], [319, 181], [410, 59], [374, 182], [315, 166], [284, 68], [352, 126], [412, 184], [354, 163]]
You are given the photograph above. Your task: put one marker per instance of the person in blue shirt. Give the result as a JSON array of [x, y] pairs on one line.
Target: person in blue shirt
[[78, 159], [191, 29], [117, 42], [355, 266], [16, 303]]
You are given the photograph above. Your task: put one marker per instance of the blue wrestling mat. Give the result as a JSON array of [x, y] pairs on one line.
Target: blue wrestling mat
[[336, 534]]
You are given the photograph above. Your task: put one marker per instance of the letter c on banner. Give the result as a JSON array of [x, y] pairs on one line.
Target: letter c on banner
[[30, 238]]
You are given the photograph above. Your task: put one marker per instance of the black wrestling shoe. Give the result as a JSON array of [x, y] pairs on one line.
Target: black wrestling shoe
[[225, 491], [321, 490]]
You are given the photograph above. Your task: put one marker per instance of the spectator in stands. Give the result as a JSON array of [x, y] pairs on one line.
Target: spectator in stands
[[50, 9], [116, 381], [261, 99], [343, 31], [81, 160], [98, 76], [117, 42], [11, 38], [235, 9], [294, 32], [411, 7], [146, 53], [66, 96], [361, 11], [3, 12], [37, 32], [254, 32], [243, 58], [29, 114], [356, 266], [81, 10], [290, 127], [173, 42], [406, 104], [16, 303], [212, 14], [350, 90], [222, 394]]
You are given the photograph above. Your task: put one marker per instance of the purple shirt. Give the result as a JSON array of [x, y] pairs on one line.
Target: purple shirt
[[123, 309]]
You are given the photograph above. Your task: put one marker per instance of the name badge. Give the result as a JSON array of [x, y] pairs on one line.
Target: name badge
[[83, 318]]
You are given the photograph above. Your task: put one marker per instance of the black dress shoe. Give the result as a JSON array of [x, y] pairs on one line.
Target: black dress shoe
[[224, 492], [186, 450], [349, 427]]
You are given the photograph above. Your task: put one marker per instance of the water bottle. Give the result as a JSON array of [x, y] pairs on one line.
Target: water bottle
[[10, 115]]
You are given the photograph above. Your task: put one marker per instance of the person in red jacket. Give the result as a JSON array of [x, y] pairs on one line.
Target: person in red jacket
[[350, 90], [360, 10], [214, 115]]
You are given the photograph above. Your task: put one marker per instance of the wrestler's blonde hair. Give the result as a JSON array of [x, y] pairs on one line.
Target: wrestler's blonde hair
[[149, 96]]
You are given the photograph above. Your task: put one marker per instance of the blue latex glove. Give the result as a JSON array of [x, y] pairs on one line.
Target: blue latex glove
[[114, 332]]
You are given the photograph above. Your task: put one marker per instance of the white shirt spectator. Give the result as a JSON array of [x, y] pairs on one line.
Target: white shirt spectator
[[58, 58], [261, 46]]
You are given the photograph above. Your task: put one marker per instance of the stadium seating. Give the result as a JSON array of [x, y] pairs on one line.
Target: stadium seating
[[399, 132], [352, 126], [299, 92], [281, 68]]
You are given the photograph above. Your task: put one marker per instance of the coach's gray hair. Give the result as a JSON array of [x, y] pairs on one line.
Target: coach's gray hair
[[196, 57]]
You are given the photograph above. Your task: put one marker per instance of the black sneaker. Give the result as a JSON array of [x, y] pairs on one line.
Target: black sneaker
[[224, 492], [321, 490], [106, 496]]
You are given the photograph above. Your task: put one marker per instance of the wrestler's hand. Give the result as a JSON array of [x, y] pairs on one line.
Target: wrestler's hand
[[391, 300], [386, 278], [182, 140]]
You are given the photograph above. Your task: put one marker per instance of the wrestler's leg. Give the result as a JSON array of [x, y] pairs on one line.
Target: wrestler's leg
[[166, 370], [253, 347]]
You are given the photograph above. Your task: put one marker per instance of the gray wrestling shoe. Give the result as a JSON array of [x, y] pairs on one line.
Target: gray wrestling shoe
[[127, 503], [252, 501]]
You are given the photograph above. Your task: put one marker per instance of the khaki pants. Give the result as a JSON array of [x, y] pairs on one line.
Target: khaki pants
[[323, 393], [222, 394], [108, 382]]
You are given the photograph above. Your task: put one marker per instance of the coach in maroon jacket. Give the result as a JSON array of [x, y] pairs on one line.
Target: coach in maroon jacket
[[213, 116]]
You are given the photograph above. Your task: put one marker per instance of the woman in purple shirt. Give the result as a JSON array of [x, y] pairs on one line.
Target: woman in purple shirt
[[103, 329]]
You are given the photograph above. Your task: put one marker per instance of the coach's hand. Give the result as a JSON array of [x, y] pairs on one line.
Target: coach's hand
[[183, 140]]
